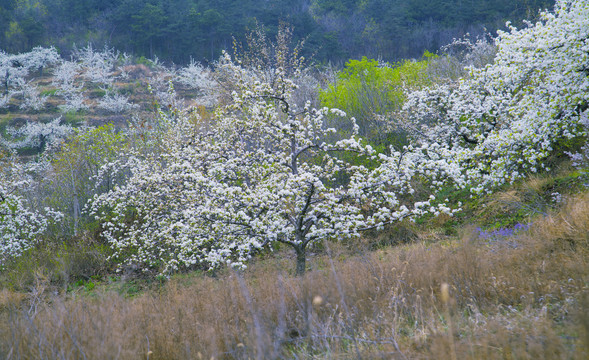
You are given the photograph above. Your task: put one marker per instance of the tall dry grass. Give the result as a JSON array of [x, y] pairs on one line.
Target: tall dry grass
[[522, 298]]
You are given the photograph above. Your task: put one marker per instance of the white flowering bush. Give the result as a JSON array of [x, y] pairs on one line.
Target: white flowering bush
[[5, 100], [454, 59], [99, 66], [39, 58], [32, 99], [198, 77], [21, 226], [116, 103], [38, 135], [501, 121], [74, 102], [14, 69], [67, 80]]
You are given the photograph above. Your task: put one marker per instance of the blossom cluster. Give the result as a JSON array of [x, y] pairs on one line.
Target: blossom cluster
[[38, 135]]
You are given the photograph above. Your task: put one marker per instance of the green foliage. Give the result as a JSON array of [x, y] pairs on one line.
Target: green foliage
[[75, 261], [365, 88], [142, 60], [73, 118], [49, 92], [75, 165]]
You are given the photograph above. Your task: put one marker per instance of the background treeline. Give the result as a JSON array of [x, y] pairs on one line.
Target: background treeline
[[176, 30]]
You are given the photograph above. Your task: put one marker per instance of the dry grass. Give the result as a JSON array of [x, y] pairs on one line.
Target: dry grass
[[528, 301]]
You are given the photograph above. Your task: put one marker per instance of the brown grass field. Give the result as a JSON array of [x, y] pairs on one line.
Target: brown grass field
[[524, 297]]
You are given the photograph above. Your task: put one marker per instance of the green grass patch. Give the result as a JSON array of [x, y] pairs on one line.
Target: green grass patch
[[74, 118], [49, 92]]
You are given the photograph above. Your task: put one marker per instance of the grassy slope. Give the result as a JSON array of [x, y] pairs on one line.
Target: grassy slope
[[511, 295]]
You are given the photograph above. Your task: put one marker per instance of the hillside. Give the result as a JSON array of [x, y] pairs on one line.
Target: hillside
[[262, 206], [179, 30], [411, 292]]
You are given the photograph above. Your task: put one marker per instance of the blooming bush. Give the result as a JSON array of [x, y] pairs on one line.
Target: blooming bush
[[31, 98], [66, 80], [501, 121], [14, 68], [116, 103], [99, 66], [20, 225], [198, 77], [38, 135]]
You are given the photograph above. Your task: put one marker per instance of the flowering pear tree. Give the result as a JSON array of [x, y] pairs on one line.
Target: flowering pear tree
[[32, 99], [15, 67], [65, 79], [39, 58], [99, 66], [19, 226], [116, 103], [502, 120], [265, 172]]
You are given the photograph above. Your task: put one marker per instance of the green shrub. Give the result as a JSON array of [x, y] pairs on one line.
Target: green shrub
[[366, 88], [74, 167], [60, 264]]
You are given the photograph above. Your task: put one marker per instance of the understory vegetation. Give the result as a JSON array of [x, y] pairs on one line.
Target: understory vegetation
[[265, 207]]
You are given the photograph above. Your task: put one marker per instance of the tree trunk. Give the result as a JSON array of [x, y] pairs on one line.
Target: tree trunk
[[301, 261], [6, 79], [42, 143]]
